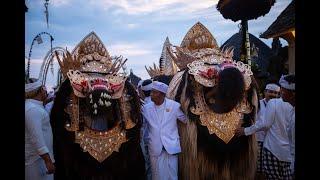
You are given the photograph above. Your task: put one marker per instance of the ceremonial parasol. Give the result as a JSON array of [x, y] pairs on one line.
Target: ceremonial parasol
[[244, 10]]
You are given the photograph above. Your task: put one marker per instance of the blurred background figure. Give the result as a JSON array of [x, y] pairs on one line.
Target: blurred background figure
[[146, 87]]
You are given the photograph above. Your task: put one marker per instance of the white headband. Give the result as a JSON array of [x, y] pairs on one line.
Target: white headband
[[283, 83], [273, 87], [147, 87], [159, 86], [32, 86]]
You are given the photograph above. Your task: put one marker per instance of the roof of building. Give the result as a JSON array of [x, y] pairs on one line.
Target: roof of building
[[260, 56], [285, 22]]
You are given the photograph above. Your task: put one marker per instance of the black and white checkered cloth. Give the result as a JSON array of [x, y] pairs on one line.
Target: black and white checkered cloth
[[275, 169], [259, 163]]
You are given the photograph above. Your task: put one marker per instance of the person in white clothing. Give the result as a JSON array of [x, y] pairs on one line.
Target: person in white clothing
[[271, 91], [48, 103], [163, 139], [39, 160], [276, 146], [146, 87], [288, 95]]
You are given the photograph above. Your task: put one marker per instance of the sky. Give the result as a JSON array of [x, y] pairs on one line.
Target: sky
[[135, 29]]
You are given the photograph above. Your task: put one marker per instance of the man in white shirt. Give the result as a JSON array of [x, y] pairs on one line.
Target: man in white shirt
[[271, 91], [276, 147], [160, 117], [288, 95], [146, 87], [38, 135]]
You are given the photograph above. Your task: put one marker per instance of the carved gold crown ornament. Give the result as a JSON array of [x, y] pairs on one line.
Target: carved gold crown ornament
[[166, 65], [198, 37], [153, 71], [201, 57], [90, 67]]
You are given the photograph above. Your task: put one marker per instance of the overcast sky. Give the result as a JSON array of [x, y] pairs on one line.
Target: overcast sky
[[135, 29]]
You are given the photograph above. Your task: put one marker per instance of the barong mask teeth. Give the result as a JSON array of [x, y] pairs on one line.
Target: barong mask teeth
[[83, 83]]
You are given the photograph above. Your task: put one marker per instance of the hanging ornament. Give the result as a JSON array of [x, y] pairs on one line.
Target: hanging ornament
[[46, 12], [39, 39]]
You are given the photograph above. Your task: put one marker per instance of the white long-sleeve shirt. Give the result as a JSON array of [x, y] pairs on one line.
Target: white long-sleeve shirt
[[260, 135], [144, 128], [161, 122], [291, 135], [48, 107], [275, 122], [38, 132], [147, 100]]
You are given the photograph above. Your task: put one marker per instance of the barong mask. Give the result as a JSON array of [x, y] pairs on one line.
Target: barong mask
[[99, 93], [200, 57], [92, 69]]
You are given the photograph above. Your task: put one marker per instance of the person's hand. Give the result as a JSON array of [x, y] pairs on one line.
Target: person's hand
[[50, 167], [239, 131]]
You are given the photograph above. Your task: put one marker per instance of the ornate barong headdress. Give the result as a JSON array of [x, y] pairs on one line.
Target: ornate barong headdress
[[200, 56], [153, 71], [90, 69], [166, 65], [90, 56]]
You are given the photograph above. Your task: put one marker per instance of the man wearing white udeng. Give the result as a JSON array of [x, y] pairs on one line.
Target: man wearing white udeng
[[161, 117], [39, 161]]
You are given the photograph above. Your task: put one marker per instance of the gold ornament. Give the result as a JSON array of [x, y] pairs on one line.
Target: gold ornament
[[222, 125], [101, 145]]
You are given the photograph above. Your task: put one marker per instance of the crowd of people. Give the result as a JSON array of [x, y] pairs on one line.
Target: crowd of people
[[274, 130]]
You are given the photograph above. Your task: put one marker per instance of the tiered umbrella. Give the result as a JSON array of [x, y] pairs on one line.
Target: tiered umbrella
[[244, 10]]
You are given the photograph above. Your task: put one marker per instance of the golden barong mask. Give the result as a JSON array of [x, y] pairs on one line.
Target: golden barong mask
[[94, 76], [201, 56], [90, 67], [205, 64]]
